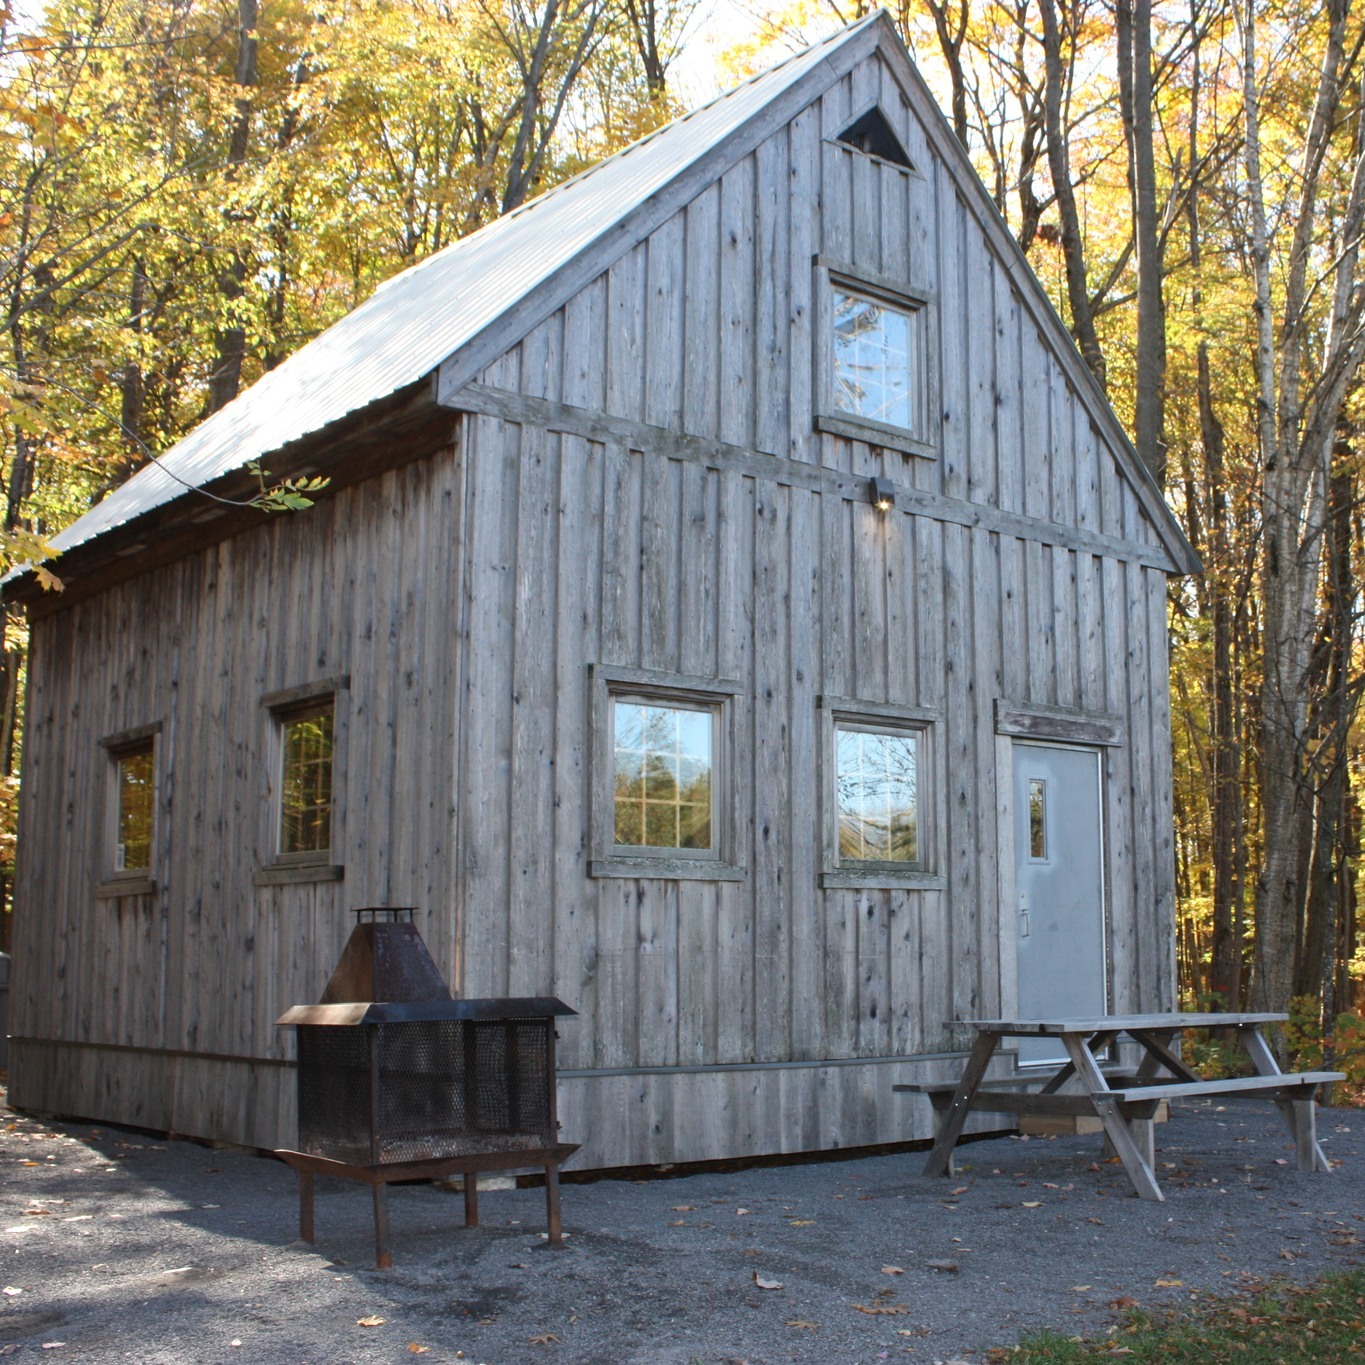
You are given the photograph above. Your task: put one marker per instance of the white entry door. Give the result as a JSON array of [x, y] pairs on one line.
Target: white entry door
[[1059, 917]]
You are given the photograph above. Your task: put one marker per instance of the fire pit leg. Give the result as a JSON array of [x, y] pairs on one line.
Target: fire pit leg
[[306, 1205], [471, 1200], [552, 1205], [383, 1257]]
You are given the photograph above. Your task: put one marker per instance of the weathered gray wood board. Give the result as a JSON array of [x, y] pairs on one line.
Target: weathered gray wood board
[[638, 483]]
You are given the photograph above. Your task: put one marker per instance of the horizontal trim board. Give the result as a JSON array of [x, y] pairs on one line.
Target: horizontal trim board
[[311, 691], [487, 400], [667, 869], [120, 888], [126, 738], [142, 1050], [1023, 720], [294, 874], [857, 879]]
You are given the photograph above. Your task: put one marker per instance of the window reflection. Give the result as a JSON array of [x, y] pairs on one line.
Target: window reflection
[[663, 768], [306, 785], [873, 360], [136, 780], [878, 789]]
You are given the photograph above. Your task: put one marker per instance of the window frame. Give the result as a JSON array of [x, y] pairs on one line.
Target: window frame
[[916, 439], [281, 708], [647, 687], [849, 713], [130, 881]]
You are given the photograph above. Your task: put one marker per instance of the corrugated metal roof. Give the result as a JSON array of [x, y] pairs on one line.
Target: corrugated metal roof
[[415, 320]]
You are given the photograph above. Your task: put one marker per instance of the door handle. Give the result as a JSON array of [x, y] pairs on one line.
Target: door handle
[[1023, 914]]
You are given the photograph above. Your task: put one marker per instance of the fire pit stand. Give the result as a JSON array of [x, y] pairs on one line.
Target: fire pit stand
[[397, 1081]]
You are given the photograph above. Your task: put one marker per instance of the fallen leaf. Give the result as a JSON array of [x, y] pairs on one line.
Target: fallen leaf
[[544, 1339], [38, 1213], [1098, 1222], [678, 1223], [10, 1290], [1123, 1301], [682, 1208], [961, 1189], [808, 1326], [892, 1270], [52, 1345], [28, 1163], [766, 1284], [416, 1348], [1168, 1284], [1281, 1161], [800, 1222], [881, 1309], [1033, 1203], [1079, 1288], [375, 1321], [739, 1213], [948, 1267], [1287, 1255]]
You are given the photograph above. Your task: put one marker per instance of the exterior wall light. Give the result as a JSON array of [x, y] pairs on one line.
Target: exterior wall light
[[883, 493]]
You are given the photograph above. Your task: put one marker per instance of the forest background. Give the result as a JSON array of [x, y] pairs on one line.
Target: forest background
[[191, 189]]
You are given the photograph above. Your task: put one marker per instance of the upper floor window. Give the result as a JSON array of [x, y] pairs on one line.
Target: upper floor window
[[874, 359], [307, 748], [875, 372], [135, 805]]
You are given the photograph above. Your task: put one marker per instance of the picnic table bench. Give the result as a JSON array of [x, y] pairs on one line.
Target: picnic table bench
[[1123, 1100]]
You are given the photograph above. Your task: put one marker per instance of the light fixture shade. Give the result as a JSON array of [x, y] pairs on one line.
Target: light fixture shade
[[883, 493]]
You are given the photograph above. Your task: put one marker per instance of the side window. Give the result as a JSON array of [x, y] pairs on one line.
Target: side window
[[135, 806], [129, 855], [300, 831], [880, 786], [875, 372], [663, 799], [307, 750]]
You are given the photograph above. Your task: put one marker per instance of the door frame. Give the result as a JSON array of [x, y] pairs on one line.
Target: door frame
[[1052, 727]]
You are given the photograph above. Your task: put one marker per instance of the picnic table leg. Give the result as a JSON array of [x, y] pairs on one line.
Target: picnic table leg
[[383, 1257], [1300, 1116], [940, 1160], [552, 1218], [1116, 1125]]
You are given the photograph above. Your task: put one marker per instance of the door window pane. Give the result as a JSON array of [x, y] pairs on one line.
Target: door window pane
[[878, 795], [663, 761]]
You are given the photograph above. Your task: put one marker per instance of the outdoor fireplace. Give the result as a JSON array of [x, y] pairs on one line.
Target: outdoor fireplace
[[398, 1081]]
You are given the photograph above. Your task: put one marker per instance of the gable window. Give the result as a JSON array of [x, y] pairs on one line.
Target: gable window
[[874, 371], [880, 784], [299, 831], [873, 135], [874, 360], [663, 802], [130, 853], [307, 748]]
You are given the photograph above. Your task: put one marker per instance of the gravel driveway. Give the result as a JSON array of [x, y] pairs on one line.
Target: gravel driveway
[[125, 1247]]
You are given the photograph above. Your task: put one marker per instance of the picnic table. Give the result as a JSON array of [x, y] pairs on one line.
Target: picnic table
[[1124, 1101]]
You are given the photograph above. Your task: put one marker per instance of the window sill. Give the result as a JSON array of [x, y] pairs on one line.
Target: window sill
[[668, 869], [875, 433], [291, 874], [119, 887], [881, 879]]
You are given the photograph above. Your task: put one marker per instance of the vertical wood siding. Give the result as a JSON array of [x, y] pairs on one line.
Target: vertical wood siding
[[467, 596]]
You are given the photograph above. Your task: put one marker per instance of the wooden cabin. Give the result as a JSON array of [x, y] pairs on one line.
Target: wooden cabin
[[734, 610]]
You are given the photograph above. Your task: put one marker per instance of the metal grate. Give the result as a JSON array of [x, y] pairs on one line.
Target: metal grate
[[434, 1088]]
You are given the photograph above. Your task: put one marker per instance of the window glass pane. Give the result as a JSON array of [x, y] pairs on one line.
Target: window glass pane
[[663, 767], [873, 360], [136, 781], [1037, 818], [877, 783], [306, 782]]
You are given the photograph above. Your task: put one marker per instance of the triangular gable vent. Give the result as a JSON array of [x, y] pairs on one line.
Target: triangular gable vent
[[873, 134]]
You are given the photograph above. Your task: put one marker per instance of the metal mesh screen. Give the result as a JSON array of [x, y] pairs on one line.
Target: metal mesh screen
[[446, 1088]]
